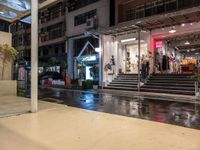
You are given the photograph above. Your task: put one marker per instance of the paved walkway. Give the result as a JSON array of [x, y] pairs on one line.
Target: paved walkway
[[13, 105], [67, 128]]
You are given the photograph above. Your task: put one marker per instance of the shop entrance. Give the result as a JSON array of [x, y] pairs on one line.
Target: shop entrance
[[86, 64], [88, 68], [178, 55], [131, 57]]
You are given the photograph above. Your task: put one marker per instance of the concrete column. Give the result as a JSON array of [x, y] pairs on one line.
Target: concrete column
[[34, 56], [70, 58], [101, 61]]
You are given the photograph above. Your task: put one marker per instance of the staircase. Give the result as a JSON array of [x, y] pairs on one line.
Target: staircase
[[170, 83], [124, 82]]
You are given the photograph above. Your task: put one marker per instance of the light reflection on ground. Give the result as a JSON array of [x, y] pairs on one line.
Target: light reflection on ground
[[176, 113]]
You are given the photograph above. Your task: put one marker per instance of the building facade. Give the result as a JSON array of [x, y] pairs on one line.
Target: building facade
[[143, 42], [106, 38], [52, 30], [84, 18]]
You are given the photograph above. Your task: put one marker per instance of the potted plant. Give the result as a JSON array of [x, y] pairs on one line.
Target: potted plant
[[8, 55], [95, 85]]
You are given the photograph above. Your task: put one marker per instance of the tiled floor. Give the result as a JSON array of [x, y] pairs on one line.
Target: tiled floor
[[13, 105], [67, 128]]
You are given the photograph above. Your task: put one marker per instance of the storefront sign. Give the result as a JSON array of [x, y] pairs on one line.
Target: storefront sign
[[159, 44]]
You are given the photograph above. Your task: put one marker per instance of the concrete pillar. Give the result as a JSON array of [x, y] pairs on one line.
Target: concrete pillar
[[101, 61], [34, 56], [70, 57]]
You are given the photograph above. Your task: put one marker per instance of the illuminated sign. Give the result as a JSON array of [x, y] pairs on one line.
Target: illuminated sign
[[159, 44]]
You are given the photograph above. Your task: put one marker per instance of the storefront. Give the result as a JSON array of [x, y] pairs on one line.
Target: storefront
[[84, 58], [124, 52], [177, 52], [174, 60]]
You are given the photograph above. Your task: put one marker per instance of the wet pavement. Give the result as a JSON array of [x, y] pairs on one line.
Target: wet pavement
[[154, 108]]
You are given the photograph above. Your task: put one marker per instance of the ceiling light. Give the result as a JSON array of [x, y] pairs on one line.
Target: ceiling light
[[183, 24], [176, 48], [173, 30], [128, 40], [191, 24], [187, 43], [1, 12], [188, 51]]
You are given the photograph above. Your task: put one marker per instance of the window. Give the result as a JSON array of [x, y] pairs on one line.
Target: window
[[154, 8], [82, 18], [76, 4], [56, 50]]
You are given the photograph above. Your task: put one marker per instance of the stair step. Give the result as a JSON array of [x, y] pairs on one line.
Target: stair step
[[170, 84], [173, 79], [127, 74], [169, 88], [116, 82], [123, 85], [168, 91], [122, 88], [173, 74], [126, 78]]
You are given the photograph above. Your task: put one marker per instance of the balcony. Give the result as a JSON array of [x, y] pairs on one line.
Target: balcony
[[52, 38], [52, 22]]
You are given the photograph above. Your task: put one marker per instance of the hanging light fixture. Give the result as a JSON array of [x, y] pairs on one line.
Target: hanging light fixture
[[173, 30], [187, 43]]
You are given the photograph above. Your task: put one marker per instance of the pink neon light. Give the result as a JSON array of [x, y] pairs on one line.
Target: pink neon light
[[159, 44]]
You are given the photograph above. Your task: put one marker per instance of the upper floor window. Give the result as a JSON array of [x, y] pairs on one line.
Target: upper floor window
[[82, 18], [131, 11], [76, 4]]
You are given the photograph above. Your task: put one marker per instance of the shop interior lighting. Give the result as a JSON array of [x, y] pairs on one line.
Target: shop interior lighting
[[187, 43], [128, 40], [173, 30], [98, 50], [183, 24]]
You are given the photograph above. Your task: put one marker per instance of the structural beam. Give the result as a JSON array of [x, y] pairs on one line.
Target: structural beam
[[34, 56]]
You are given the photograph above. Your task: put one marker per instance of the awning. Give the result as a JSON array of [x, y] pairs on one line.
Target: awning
[[11, 10], [154, 22]]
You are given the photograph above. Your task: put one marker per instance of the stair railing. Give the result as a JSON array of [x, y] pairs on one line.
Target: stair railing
[[196, 88]]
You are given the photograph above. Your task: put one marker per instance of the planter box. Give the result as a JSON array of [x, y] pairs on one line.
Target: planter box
[[8, 88]]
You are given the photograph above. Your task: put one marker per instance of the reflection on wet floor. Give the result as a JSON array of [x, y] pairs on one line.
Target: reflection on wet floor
[[155, 109]]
